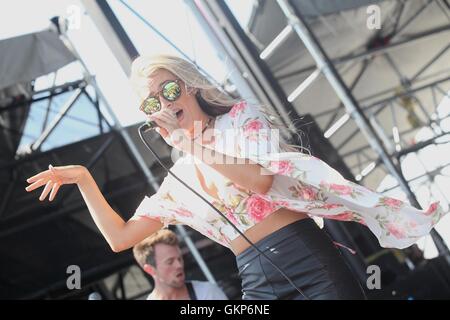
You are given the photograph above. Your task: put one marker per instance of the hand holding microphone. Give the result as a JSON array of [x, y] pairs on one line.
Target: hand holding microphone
[[165, 122]]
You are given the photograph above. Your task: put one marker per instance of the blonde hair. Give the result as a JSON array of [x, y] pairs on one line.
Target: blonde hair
[[211, 98], [208, 94], [144, 252]]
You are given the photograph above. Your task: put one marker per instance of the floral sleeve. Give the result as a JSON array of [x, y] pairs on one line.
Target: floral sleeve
[[255, 138], [160, 206], [152, 207]]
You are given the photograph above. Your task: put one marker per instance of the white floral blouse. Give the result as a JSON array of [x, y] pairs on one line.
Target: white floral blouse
[[301, 183]]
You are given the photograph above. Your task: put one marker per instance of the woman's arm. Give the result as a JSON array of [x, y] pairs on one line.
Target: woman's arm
[[119, 234], [248, 174]]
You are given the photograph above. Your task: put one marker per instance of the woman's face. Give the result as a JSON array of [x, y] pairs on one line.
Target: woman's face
[[185, 107]]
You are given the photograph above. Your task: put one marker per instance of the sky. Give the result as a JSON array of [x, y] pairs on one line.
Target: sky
[[175, 20], [172, 17]]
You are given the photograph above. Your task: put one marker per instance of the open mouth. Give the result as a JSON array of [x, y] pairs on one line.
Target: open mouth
[[179, 113]]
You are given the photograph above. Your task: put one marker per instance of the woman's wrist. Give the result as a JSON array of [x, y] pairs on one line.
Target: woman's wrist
[[84, 176]]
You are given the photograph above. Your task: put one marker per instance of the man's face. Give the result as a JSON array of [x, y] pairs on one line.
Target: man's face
[[169, 265]]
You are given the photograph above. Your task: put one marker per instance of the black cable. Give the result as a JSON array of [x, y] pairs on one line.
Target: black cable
[[146, 127]]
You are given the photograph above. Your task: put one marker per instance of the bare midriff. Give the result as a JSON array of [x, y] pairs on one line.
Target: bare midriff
[[275, 221]]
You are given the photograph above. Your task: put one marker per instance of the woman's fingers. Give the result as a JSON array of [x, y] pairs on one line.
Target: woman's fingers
[[169, 116], [36, 184], [38, 176], [169, 120], [46, 190], [163, 132], [54, 191], [164, 111], [160, 122], [48, 179]]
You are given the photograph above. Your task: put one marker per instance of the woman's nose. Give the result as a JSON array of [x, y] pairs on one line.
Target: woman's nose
[[165, 104]]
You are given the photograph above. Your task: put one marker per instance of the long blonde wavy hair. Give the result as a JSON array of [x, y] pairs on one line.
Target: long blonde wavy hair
[[211, 98]]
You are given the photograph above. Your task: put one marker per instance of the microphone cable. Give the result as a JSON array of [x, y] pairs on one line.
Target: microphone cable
[[151, 125]]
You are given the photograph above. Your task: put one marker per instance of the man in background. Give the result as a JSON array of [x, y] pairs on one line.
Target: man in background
[[160, 256]]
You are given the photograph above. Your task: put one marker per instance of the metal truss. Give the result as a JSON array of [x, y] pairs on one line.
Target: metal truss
[[362, 111]]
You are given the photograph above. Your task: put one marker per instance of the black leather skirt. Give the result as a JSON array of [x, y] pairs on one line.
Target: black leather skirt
[[308, 256]]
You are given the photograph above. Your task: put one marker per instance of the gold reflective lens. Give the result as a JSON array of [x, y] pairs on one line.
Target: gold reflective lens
[[171, 91], [151, 105]]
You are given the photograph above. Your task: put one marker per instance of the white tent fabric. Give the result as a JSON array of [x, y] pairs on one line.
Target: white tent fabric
[[30, 56], [22, 60]]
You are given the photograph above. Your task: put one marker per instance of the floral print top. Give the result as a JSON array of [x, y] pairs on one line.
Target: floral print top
[[301, 183]]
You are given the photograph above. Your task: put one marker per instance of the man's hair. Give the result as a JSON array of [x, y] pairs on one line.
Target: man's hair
[[144, 252]]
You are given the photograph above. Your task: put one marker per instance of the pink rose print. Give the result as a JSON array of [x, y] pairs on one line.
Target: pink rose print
[[392, 203], [395, 230], [304, 192], [224, 237], [344, 216], [282, 167], [341, 189], [252, 126], [329, 206], [307, 193], [258, 207], [432, 209], [229, 214], [237, 108], [184, 213], [282, 203]]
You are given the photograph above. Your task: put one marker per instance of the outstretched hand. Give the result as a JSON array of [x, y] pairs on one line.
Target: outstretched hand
[[54, 178]]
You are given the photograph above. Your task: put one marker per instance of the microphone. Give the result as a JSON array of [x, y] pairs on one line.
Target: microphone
[[149, 125]]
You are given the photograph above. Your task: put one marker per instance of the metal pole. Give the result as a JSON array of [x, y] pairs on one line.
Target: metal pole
[[39, 141], [389, 99], [372, 52], [260, 77], [323, 62], [222, 46], [139, 159], [257, 73]]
